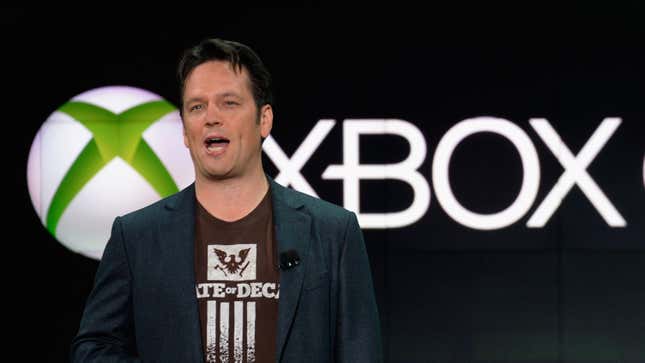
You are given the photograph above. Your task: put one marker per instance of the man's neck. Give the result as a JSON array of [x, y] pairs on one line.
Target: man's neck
[[234, 198]]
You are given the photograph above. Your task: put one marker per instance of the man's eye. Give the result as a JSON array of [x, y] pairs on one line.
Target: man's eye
[[231, 103], [196, 107]]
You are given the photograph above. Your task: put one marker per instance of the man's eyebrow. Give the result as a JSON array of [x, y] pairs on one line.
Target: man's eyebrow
[[230, 94], [221, 95], [191, 100]]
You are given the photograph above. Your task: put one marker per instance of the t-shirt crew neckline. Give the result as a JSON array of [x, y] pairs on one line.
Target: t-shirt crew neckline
[[248, 219]]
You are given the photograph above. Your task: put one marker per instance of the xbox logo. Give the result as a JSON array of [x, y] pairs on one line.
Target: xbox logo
[[106, 152]]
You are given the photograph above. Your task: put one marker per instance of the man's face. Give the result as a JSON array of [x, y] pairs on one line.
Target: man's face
[[221, 127]]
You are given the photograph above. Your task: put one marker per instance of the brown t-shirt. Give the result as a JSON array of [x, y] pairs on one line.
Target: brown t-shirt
[[237, 285]]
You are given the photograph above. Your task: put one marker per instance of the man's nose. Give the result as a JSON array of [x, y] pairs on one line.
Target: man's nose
[[213, 116]]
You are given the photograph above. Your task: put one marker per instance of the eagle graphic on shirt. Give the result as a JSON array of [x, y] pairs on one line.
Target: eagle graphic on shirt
[[231, 263]]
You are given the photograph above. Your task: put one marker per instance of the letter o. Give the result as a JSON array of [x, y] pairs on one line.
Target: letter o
[[530, 166]]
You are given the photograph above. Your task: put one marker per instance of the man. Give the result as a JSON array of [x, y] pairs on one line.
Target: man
[[235, 268]]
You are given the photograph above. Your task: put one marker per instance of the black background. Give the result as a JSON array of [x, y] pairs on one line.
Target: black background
[[569, 292]]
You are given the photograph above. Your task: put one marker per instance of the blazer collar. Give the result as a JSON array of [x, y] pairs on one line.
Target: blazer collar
[[292, 232], [177, 233]]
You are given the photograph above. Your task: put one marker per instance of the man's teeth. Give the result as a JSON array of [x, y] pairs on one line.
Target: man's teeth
[[216, 144]]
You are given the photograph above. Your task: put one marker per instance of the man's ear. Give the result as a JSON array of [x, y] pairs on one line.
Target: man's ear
[[266, 120], [183, 131]]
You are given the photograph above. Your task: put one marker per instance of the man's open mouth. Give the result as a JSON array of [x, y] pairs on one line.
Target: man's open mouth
[[216, 140], [216, 143]]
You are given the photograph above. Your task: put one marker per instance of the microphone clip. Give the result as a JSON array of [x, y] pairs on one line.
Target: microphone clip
[[289, 259]]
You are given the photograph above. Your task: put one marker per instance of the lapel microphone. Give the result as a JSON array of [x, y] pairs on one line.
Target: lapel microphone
[[289, 259]]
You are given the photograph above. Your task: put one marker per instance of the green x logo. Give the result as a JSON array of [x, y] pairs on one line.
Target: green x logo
[[114, 135]]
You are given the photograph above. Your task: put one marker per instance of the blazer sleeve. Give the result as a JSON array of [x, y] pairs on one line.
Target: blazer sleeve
[[358, 333], [106, 332]]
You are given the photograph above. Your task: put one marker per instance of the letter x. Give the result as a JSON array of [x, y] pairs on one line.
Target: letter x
[[576, 173], [290, 168], [113, 135]]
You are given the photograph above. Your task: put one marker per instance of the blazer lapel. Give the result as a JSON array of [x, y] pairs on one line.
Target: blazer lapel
[[177, 233], [293, 230]]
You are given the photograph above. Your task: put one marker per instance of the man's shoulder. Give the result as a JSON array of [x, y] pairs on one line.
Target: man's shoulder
[[316, 207], [152, 212]]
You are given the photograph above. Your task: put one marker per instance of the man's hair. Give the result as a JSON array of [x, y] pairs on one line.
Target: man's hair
[[238, 55]]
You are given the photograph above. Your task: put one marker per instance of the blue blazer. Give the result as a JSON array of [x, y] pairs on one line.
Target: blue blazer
[[143, 307]]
